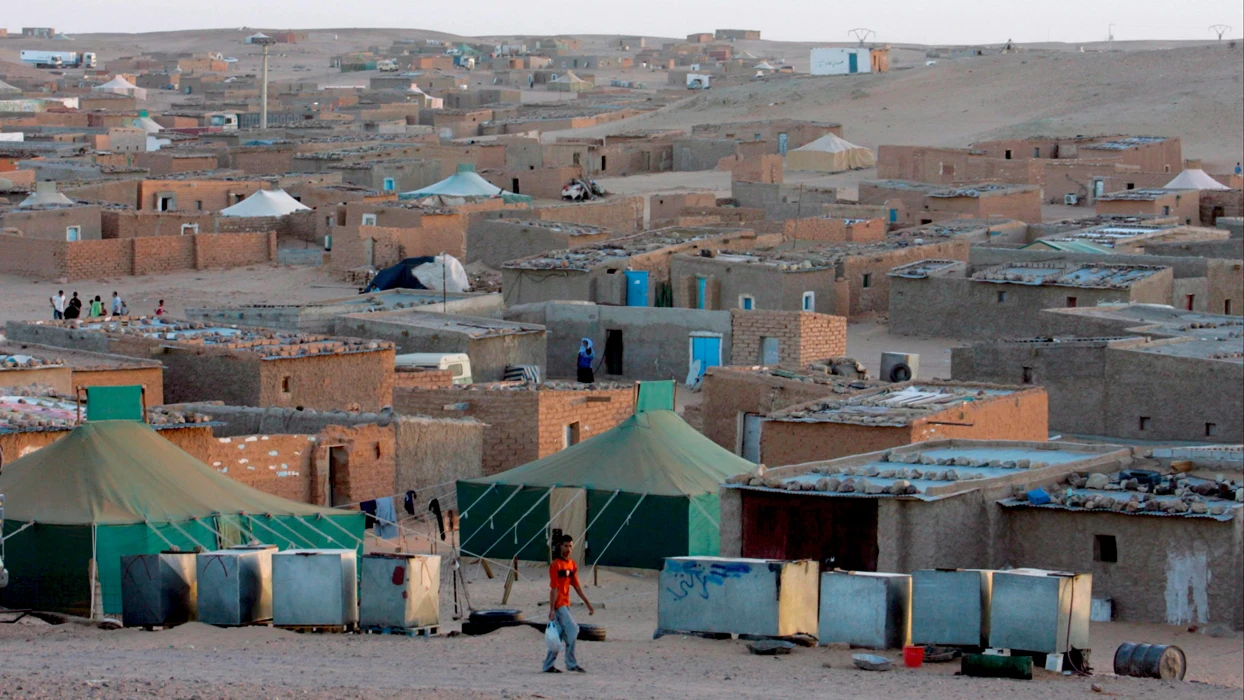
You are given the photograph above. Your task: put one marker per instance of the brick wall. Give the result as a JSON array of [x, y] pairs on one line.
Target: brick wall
[[729, 393], [619, 216], [120, 257], [249, 460], [594, 411], [150, 378], [419, 378], [783, 442], [357, 380], [803, 337], [834, 230], [764, 168]]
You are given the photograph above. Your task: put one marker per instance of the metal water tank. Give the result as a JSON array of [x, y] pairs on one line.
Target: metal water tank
[[158, 589], [400, 590], [951, 607], [865, 609], [1040, 610], [235, 585], [738, 596], [315, 587], [899, 366]]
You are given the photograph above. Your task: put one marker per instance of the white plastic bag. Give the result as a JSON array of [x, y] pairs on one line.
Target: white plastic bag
[[553, 637]]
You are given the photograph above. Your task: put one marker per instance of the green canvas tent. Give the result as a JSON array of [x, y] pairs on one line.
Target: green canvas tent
[[115, 487], [643, 491]]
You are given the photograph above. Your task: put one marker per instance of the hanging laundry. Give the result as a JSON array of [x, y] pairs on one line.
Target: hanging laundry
[[369, 507], [386, 518], [435, 507], [408, 502]]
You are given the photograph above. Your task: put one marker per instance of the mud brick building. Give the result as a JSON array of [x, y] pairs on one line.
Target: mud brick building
[[735, 400], [66, 371], [1099, 366], [245, 367], [846, 279], [924, 203], [901, 414], [498, 241], [491, 344], [525, 422], [950, 299], [606, 272], [334, 458], [1184, 205], [787, 338]]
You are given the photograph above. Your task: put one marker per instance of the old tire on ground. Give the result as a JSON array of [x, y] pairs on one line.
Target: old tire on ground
[[591, 633], [497, 618], [900, 372]]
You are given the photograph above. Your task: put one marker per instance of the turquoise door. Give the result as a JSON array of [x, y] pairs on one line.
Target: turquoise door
[[853, 63], [783, 139], [701, 292], [636, 287], [707, 351]]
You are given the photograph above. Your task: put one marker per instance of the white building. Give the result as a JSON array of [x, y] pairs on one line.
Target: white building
[[837, 61]]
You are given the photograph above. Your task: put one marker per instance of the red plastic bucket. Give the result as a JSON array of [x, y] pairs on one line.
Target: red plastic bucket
[[913, 656]]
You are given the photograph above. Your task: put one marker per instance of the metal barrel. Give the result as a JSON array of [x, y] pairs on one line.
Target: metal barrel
[[1150, 661]]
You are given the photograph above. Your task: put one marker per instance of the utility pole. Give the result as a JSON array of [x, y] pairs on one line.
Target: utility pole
[[861, 34], [1110, 32], [263, 86], [1220, 29]]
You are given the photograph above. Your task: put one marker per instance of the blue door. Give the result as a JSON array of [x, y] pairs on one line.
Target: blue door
[[782, 139], [853, 63], [701, 292], [707, 351], [636, 287], [893, 216]]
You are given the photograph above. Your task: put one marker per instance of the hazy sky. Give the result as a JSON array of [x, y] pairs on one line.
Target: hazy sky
[[916, 21]]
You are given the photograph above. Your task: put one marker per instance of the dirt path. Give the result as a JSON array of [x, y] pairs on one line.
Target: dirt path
[[196, 660]]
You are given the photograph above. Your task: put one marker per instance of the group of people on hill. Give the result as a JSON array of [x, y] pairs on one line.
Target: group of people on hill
[[75, 307]]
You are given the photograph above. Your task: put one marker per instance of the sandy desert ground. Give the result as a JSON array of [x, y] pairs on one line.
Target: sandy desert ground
[[199, 661]]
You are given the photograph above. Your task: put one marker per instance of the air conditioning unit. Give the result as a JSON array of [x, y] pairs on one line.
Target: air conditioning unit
[[1071, 200]]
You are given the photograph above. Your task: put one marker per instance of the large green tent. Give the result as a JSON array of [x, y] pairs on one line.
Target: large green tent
[[643, 491], [115, 487]]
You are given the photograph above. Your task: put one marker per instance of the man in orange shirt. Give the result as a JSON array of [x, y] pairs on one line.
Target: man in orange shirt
[[564, 573]]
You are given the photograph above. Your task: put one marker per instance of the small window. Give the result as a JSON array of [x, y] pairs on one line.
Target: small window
[[575, 158], [1168, 168], [1131, 185], [369, 219], [1071, 302], [868, 280], [198, 205], [73, 233], [1189, 300], [285, 382], [1211, 430], [1226, 306], [572, 434], [1144, 422], [389, 184], [747, 302], [166, 202], [457, 370], [1036, 152], [189, 228], [1027, 375], [1008, 154], [1166, 211], [378, 451], [809, 301], [604, 162], [1001, 297], [1105, 549]]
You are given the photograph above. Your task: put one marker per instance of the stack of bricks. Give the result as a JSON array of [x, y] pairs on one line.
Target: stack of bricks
[[803, 337]]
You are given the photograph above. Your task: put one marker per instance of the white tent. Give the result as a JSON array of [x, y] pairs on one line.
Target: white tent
[[121, 86], [466, 183], [6, 88], [45, 195], [763, 65], [830, 154], [148, 125], [265, 203], [1195, 179], [446, 269]]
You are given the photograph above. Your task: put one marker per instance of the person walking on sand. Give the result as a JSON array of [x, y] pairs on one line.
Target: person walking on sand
[[563, 574], [160, 309], [117, 305], [97, 307], [58, 305], [587, 356]]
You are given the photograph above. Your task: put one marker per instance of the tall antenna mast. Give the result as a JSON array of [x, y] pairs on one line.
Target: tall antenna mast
[[1110, 32], [1220, 29], [861, 34]]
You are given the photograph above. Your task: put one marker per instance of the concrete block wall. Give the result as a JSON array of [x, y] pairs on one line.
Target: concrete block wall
[[803, 337], [594, 411], [618, 215]]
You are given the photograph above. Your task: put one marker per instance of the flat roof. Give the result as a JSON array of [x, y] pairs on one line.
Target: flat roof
[[387, 300], [893, 405], [1124, 143], [929, 471], [83, 360], [1120, 493], [834, 384], [589, 257], [269, 344], [924, 268], [472, 326], [1167, 320], [1085, 275], [26, 411], [1144, 195]]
